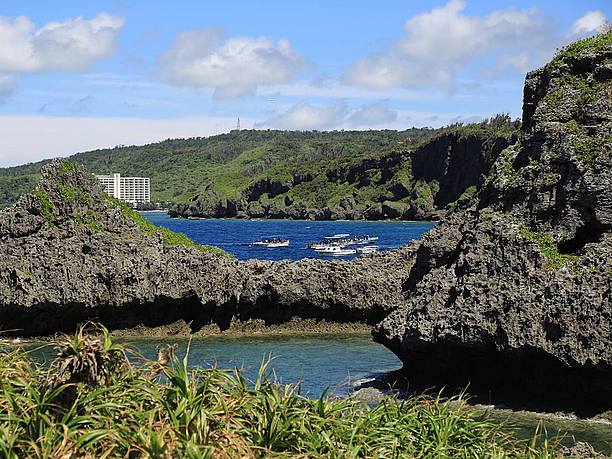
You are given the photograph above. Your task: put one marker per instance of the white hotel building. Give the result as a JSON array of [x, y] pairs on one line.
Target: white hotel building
[[129, 189]]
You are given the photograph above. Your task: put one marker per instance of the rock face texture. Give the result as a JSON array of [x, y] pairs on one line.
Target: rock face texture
[[69, 254], [516, 289], [443, 168]]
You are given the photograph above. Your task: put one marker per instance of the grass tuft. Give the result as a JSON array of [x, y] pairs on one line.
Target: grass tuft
[[548, 248]]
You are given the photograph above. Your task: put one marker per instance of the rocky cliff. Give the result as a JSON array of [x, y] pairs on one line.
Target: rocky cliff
[[71, 253], [514, 293], [408, 185]]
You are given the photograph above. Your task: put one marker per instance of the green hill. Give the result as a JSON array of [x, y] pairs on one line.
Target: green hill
[[179, 168], [233, 165]]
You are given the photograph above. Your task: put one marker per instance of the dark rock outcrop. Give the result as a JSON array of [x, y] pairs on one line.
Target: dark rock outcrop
[[515, 293], [70, 254]]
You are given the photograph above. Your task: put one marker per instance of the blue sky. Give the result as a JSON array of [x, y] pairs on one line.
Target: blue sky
[[82, 75]]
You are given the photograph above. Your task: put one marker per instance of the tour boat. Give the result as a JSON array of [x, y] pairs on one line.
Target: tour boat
[[337, 251], [324, 245], [272, 242], [367, 249], [331, 244], [366, 239]]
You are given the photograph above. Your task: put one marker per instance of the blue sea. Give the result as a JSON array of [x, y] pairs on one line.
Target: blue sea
[[236, 236]]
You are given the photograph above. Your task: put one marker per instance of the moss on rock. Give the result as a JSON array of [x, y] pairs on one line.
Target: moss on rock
[[169, 237], [548, 248]]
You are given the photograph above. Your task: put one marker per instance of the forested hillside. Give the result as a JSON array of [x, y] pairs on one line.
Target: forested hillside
[[179, 168], [241, 164]]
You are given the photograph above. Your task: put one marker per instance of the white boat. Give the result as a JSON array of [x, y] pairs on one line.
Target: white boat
[[272, 242], [337, 251], [367, 249], [325, 245], [283, 243], [366, 240], [336, 237]]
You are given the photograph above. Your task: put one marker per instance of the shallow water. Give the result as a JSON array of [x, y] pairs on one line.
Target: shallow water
[[317, 362], [566, 432], [235, 236]]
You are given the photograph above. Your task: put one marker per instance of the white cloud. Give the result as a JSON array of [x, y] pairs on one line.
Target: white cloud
[[589, 23], [70, 45], [233, 66], [439, 42], [372, 115], [304, 116], [32, 138]]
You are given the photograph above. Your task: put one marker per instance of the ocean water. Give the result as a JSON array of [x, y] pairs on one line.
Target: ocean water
[[235, 236]]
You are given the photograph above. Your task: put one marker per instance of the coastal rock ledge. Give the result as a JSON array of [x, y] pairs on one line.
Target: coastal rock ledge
[[514, 292], [71, 253]]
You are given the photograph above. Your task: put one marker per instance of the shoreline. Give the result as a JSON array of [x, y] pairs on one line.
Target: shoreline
[[246, 329], [362, 220]]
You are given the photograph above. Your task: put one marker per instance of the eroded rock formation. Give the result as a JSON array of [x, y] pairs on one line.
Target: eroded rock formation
[[511, 292], [517, 288], [69, 254]]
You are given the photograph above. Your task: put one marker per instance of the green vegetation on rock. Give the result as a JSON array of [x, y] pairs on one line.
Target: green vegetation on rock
[[92, 402], [45, 204], [592, 44], [576, 89], [548, 248], [169, 237], [586, 146], [468, 193], [70, 194], [95, 226]]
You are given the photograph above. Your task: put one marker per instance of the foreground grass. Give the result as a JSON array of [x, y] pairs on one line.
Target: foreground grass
[[91, 402]]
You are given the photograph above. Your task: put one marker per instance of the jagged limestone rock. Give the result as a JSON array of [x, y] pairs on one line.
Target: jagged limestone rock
[[70, 253], [521, 281]]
